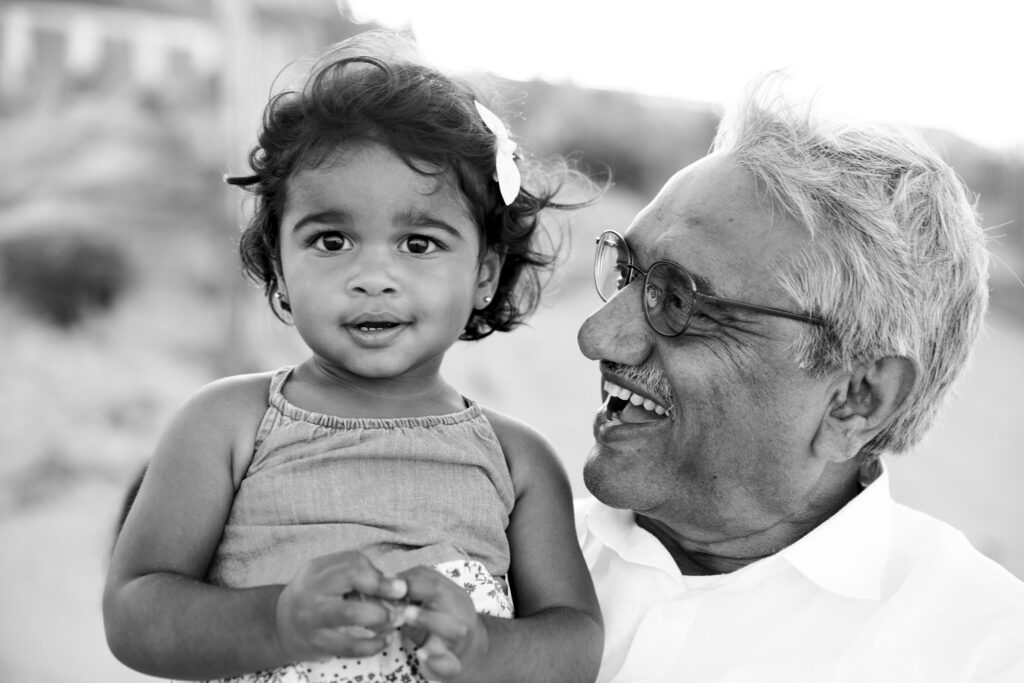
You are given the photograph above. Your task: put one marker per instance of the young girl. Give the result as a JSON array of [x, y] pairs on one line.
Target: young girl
[[355, 517]]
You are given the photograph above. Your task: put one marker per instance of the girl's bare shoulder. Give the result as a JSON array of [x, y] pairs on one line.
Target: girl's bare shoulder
[[528, 453], [226, 414], [234, 394]]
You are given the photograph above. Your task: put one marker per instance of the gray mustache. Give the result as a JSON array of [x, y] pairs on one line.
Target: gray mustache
[[650, 378]]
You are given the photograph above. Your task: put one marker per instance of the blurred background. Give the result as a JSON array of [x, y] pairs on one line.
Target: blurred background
[[120, 292]]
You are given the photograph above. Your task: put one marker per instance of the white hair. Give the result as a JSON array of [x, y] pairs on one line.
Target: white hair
[[896, 264]]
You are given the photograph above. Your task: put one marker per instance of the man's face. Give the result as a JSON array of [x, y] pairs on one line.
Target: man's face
[[733, 453]]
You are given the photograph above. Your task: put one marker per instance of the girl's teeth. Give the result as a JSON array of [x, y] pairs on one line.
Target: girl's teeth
[[636, 400]]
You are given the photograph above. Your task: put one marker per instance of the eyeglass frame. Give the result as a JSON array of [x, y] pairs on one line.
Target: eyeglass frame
[[694, 292]]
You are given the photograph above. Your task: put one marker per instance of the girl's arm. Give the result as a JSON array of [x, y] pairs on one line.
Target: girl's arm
[[558, 633], [160, 617]]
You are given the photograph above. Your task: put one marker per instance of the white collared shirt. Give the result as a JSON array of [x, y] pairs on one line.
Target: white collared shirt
[[878, 592]]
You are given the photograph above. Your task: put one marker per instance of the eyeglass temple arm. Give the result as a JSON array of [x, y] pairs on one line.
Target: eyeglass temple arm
[[767, 310]]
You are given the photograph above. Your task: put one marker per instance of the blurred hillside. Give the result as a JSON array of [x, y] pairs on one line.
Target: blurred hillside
[[644, 140], [120, 294]]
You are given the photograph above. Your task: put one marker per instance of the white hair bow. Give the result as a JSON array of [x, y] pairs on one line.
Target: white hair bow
[[506, 173]]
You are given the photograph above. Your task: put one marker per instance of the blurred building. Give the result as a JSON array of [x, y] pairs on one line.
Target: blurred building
[[48, 47]]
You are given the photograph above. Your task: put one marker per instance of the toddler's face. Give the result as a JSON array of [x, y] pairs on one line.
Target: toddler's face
[[380, 263]]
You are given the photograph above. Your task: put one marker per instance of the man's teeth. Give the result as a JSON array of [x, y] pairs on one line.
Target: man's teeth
[[636, 399]]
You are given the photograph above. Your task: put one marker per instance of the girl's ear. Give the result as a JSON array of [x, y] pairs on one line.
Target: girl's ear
[[282, 294], [487, 278]]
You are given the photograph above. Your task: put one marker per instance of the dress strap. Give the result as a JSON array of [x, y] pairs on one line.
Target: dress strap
[[271, 416]]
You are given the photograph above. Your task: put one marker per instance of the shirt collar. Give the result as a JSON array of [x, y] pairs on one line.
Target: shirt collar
[[848, 552], [617, 530], [845, 555]]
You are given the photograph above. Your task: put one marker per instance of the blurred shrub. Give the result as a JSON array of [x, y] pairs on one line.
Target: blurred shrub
[[641, 140], [61, 277]]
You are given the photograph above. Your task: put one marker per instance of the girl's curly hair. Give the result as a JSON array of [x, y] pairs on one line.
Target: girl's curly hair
[[355, 95]]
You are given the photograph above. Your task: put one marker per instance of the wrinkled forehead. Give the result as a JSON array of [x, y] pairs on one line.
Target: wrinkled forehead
[[712, 219]]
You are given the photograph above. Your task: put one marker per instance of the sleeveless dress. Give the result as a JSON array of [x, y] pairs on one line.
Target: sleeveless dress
[[433, 491]]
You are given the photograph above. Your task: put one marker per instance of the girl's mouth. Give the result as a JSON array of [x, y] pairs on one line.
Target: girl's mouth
[[375, 326], [375, 330], [374, 322]]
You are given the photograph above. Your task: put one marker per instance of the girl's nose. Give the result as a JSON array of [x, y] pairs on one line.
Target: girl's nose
[[374, 275], [617, 331]]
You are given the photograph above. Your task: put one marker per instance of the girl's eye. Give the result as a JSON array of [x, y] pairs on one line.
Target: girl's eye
[[331, 241], [418, 244]]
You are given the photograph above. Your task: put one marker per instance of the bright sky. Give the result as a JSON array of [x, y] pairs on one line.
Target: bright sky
[[953, 65]]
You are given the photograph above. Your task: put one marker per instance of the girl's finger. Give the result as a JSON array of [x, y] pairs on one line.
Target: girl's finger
[[436, 660], [445, 626], [345, 643], [424, 584], [351, 573], [392, 588], [355, 611]]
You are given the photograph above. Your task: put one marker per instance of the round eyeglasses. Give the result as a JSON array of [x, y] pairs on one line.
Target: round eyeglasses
[[669, 293]]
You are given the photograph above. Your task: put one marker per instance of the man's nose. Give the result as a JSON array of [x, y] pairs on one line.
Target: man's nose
[[617, 331], [374, 274]]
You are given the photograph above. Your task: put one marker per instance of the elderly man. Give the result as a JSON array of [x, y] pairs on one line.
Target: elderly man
[[785, 311]]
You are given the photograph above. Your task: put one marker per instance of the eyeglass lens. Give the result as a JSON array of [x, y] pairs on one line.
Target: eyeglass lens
[[668, 290], [668, 298], [611, 271]]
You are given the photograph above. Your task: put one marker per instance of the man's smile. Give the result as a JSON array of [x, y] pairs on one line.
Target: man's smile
[[626, 396], [626, 406]]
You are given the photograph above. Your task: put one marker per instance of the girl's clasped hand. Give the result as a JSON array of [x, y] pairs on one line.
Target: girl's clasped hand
[[341, 605]]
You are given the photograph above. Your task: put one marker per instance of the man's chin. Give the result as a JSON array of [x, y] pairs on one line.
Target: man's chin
[[608, 483]]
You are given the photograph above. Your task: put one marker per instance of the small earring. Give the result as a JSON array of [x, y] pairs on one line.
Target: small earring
[[487, 300]]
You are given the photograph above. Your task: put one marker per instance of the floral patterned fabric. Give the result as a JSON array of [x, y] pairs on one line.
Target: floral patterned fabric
[[397, 663]]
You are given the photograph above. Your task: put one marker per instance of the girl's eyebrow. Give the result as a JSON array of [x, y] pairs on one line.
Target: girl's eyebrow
[[410, 218], [421, 219], [330, 216]]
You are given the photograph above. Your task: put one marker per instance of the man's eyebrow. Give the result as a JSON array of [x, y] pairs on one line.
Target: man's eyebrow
[[704, 285]]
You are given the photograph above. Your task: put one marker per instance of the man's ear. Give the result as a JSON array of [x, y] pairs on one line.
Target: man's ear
[[487, 278], [865, 400]]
